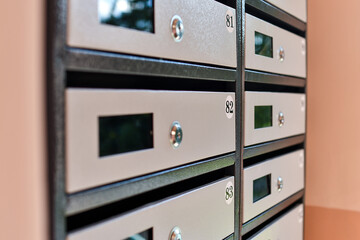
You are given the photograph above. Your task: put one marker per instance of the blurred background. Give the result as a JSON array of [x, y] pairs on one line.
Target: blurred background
[[333, 131]]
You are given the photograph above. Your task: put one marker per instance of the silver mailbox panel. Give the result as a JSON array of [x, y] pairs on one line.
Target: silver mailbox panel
[[289, 167], [289, 226], [294, 7], [207, 131], [275, 41], [206, 37], [203, 213], [290, 105]]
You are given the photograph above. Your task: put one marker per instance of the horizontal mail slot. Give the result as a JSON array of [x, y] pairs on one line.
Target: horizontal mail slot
[[112, 135], [289, 226], [197, 31], [272, 49], [270, 116], [272, 181], [296, 8], [204, 213]]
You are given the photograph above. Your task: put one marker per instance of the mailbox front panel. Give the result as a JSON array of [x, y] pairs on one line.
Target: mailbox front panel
[[270, 116], [204, 213], [294, 7], [272, 181], [289, 226], [272, 49], [196, 31], [113, 135]]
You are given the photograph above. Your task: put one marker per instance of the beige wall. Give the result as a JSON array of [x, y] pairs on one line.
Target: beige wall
[[22, 121], [333, 132]]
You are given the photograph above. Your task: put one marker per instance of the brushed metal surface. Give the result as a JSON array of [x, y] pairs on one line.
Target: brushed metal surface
[[290, 167], [207, 131], [272, 212], [294, 46], [296, 8], [96, 197], [291, 104], [289, 226], [202, 213], [206, 38]]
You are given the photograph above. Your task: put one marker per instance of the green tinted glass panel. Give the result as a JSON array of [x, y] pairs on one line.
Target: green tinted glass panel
[[145, 235], [263, 116], [126, 133], [134, 14], [261, 187], [263, 45]]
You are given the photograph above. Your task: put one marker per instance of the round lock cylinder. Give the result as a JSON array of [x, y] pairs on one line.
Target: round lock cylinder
[[175, 234], [177, 28], [281, 119], [280, 184], [176, 134], [281, 54]]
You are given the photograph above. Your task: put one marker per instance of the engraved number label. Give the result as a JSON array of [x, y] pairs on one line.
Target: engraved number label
[[229, 107], [229, 192], [230, 20]]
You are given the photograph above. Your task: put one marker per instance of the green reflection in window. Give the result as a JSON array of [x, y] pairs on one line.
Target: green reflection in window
[[263, 45], [263, 116]]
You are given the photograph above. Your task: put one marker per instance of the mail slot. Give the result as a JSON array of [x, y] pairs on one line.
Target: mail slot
[[113, 135], [272, 181], [272, 49], [289, 226], [270, 116], [293, 7], [197, 31], [203, 213]]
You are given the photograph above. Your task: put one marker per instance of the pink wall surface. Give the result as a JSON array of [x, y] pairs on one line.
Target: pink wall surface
[[333, 121], [23, 203]]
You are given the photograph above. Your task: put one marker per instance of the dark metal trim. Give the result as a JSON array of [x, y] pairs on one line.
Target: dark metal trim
[[106, 62], [55, 85], [266, 9], [260, 219], [262, 148], [89, 199], [271, 78], [239, 126]]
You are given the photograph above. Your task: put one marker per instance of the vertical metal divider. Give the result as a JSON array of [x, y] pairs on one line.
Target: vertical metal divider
[[55, 87], [239, 128]]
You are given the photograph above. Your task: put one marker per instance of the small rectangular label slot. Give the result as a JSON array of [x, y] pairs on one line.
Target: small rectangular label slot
[[263, 116], [126, 133], [261, 187], [145, 235], [263, 45], [133, 14]]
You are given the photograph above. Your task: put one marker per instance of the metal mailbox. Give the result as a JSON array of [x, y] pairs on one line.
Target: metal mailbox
[[270, 116], [112, 135], [289, 226], [203, 213], [197, 31], [272, 181], [296, 8], [272, 49]]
